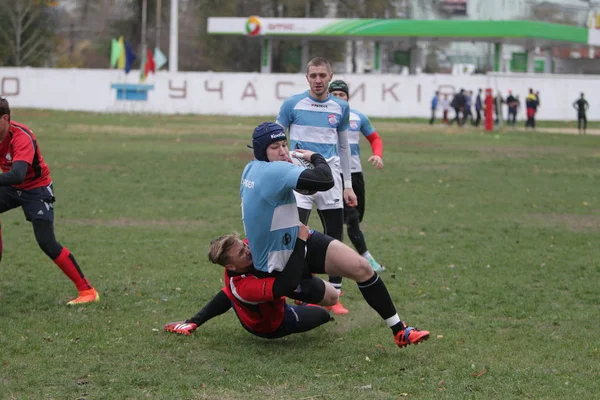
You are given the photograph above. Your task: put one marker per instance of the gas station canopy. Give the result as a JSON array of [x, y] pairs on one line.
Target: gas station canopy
[[529, 34]]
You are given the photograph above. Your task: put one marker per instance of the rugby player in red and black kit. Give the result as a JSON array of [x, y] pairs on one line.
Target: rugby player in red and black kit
[[26, 183], [256, 298]]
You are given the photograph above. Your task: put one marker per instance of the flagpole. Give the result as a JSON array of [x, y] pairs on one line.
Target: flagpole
[[173, 36], [144, 18], [158, 10]]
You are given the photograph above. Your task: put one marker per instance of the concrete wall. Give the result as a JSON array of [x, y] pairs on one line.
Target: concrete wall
[[261, 94]]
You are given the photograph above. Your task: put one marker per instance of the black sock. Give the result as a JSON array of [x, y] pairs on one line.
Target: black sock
[[336, 282], [377, 296], [398, 327]]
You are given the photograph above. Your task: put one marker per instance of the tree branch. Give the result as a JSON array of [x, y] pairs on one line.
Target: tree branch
[[31, 38], [8, 39], [32, 17], [31, 50]]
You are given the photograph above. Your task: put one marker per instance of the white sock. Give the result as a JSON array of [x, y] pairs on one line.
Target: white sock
[[366, 254], [391, 321]]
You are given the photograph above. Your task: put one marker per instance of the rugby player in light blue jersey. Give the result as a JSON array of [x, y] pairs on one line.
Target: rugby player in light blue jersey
[[271, 222], [359, 125], [318, 122]]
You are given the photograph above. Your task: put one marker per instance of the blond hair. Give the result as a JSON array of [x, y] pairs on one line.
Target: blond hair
[[318, 62], [219, 247]]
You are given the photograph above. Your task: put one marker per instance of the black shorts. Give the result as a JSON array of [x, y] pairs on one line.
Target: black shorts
[[311, 289], [358, 185], [37, 203], [296, 319], [316, 251]]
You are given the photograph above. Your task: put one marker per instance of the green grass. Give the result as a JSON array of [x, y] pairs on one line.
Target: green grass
[[491, 243], [571, 124]]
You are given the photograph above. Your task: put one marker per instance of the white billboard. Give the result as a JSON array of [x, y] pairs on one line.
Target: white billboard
[[254, 94]]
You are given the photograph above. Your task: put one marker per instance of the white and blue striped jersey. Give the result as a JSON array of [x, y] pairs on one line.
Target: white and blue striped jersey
[[318, 125], [359, 123], [269, 212]]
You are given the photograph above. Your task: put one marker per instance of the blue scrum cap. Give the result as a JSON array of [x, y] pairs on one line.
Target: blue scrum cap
[[262, 137]]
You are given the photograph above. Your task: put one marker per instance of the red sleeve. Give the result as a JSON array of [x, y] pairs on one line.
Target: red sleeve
[[376, 144], [23, 149], [250, 289]]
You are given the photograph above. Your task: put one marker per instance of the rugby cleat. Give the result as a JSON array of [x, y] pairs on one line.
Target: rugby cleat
[[338, 309], [182, 328], [410, 335], [374, 264], [301, 303], [85, 296]]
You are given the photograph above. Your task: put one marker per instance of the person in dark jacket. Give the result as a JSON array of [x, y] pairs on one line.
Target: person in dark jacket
[[458, 103]]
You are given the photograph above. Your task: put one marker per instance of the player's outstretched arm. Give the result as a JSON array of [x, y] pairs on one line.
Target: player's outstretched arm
[[218, 305], [16, 175], [320, 178]]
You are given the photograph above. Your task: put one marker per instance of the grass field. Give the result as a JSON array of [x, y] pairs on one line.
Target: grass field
[[492, 242]]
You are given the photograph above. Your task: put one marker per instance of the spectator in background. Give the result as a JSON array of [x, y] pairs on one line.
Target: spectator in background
[[531, 105], [434, 105], [478, 108], [498, 101], [458, 103], [581, 105], [445, 106], [511, 101], [468, 115]]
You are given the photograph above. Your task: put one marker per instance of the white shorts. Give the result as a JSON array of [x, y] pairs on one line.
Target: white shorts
[[329, 200]]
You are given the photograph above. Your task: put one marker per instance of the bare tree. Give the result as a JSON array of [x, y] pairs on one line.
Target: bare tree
[[28, 31]]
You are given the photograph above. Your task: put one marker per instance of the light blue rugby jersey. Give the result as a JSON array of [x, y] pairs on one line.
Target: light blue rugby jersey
[[314, 124], [359, 123], [269, 212]]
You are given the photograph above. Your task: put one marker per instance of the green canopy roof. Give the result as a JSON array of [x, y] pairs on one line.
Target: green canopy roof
[[529, 33]]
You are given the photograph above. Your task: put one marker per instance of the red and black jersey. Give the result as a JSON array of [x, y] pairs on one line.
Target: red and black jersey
[[20, 144], [253, 302]]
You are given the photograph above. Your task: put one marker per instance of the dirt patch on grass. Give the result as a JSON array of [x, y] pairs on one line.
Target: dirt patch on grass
[[137, 223], [570, 222]]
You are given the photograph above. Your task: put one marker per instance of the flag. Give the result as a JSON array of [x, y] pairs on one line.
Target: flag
[[150, 65], [159, 58], [121, 60], [115, 52], [129, 57]]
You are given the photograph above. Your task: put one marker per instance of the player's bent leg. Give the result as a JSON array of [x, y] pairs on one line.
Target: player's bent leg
[[342, 261], [302, 319], [333, 225], [62, 257], [296, 319], [315, 290], [331, 297], [304, 215], [8, 200], [356, 236]]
